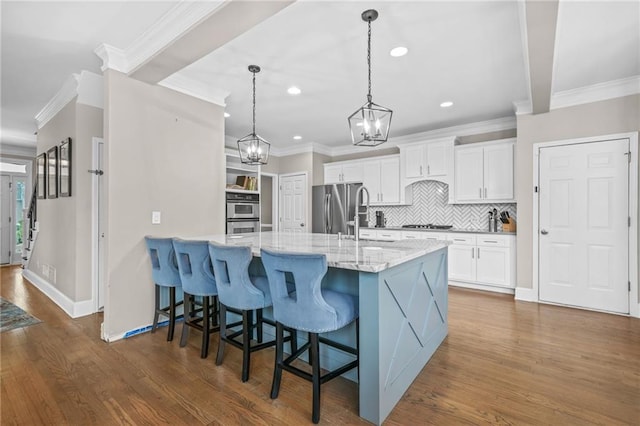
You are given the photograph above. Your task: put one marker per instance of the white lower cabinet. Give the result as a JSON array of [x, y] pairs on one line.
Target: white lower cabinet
[[380, 234], [484, 259]]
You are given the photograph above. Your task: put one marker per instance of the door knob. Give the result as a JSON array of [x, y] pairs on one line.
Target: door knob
[[302, 224], [544, 231]]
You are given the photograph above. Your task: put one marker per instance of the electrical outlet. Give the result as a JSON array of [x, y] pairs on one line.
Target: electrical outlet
[[155, 218]]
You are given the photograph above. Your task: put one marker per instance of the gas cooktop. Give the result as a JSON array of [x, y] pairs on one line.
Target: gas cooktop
[[428, 226]]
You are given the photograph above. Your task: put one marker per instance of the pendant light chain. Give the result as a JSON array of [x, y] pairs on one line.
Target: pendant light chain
[[254, 103], [369, 59]]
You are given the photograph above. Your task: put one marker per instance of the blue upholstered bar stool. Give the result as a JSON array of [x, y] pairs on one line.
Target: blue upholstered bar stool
[[309, 309], [196, 274], [242, 293], [164, 271]]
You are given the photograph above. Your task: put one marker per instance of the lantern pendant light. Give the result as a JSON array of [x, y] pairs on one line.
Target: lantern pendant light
[[253, 149], [369, 125]]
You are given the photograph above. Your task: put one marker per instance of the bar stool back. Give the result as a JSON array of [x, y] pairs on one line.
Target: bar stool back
[[164, 271], [196, 274], [242, 293], [310, 308]]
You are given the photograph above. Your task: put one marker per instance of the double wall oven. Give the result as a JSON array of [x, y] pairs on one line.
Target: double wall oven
[[243, 213]]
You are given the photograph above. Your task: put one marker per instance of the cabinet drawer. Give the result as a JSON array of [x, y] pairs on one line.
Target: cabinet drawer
[[368, 235], [494, 240], [462, 239], [389, 235], [420, 235]]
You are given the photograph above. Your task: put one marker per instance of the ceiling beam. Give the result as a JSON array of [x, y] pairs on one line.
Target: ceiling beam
[[542, 17], [229, 21]]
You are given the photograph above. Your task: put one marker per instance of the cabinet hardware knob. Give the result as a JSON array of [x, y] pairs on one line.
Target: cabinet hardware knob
[[544, 231]]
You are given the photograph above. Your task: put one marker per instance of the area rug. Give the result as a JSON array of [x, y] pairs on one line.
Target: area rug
[[13, 317]]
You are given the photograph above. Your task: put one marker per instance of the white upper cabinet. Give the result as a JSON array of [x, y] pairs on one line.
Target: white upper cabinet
[[484, 172], [343, 172], [381, 177], [427, 160]]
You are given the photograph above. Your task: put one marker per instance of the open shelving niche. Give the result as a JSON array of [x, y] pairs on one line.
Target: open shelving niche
[[235, 168]]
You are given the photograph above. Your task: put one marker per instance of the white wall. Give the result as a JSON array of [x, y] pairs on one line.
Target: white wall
[[165, 152]]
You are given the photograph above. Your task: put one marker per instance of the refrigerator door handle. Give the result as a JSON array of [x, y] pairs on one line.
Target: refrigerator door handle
[[327, 212]]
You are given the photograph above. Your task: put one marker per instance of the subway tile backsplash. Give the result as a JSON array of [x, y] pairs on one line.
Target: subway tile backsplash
[[430, 206]]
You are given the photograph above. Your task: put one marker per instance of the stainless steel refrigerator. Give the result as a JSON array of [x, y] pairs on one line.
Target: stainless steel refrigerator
[[334, 207]]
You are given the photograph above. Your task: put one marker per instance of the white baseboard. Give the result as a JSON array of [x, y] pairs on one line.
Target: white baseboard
[[526, 294], [494, 289], [73, 309]]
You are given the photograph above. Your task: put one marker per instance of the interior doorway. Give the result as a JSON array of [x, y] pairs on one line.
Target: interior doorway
[[13, 193], [268, 202], [293, 202], [587, 223], [98, 219]]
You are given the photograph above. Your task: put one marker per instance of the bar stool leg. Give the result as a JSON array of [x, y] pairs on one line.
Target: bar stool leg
[[293, 334], [259, 325], [206, 318], [277, 370], [247, 331], [156, 314], [315, 369], [223, 333], [172, 313], [188, 306]]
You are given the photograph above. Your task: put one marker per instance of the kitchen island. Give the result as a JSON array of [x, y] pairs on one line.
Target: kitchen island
[[402, 289]]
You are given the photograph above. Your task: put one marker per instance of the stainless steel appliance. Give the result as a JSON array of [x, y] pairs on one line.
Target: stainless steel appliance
[[243, 213], [428, 226], [242, 226], [334, 208], [243, 206], [381, 222]]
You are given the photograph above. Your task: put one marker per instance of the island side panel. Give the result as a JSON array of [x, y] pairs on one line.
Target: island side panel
[[403, 320]]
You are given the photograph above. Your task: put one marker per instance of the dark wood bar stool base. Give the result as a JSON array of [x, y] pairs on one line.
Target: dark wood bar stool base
[[248, 326], [313, 346], [206, 322], [167, 311]]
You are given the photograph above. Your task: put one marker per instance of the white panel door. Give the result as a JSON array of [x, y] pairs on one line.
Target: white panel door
[[498, 172], [583, 225], [390, 180], [293, 203], [468, 174], [5, 220]]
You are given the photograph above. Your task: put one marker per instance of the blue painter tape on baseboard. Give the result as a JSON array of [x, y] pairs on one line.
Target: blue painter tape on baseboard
[[148, 328]]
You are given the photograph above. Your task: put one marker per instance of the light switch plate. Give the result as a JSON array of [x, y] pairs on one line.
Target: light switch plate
[[155, 218]]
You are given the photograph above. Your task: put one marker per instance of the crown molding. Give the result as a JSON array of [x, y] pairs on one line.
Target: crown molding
[[301, 149], [195, 88], [172, 25], [522, 107], [86, 86], [596, 92]]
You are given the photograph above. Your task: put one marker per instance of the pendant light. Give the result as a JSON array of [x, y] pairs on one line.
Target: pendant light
[[369, 125], [253, 149]]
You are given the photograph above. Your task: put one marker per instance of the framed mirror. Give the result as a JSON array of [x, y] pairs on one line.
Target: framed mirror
[[64, 169], [52, 173], [41, 175]]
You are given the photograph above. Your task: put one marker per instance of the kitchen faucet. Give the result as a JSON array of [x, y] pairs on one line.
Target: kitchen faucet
[[356, 217]]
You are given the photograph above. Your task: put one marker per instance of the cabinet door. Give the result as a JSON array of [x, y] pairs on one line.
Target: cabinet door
[[498, 172], [371, 180], [332, 173], [492, 265], [414, 162], [469, 174], [437, 159], [352, 172], [462, 262], [390, 180]]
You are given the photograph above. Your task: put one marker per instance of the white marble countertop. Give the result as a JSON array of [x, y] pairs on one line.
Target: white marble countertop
[[366, 256]]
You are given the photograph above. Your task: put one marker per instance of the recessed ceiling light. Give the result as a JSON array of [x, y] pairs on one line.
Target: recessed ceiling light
[[446, 104], [227, 115], [399, 51], [297, 137], [293, 90]]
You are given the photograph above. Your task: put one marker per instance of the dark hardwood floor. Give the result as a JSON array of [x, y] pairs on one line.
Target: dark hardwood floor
[[503, 362]]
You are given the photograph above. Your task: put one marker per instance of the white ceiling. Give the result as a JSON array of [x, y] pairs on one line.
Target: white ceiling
[[470, 53]]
